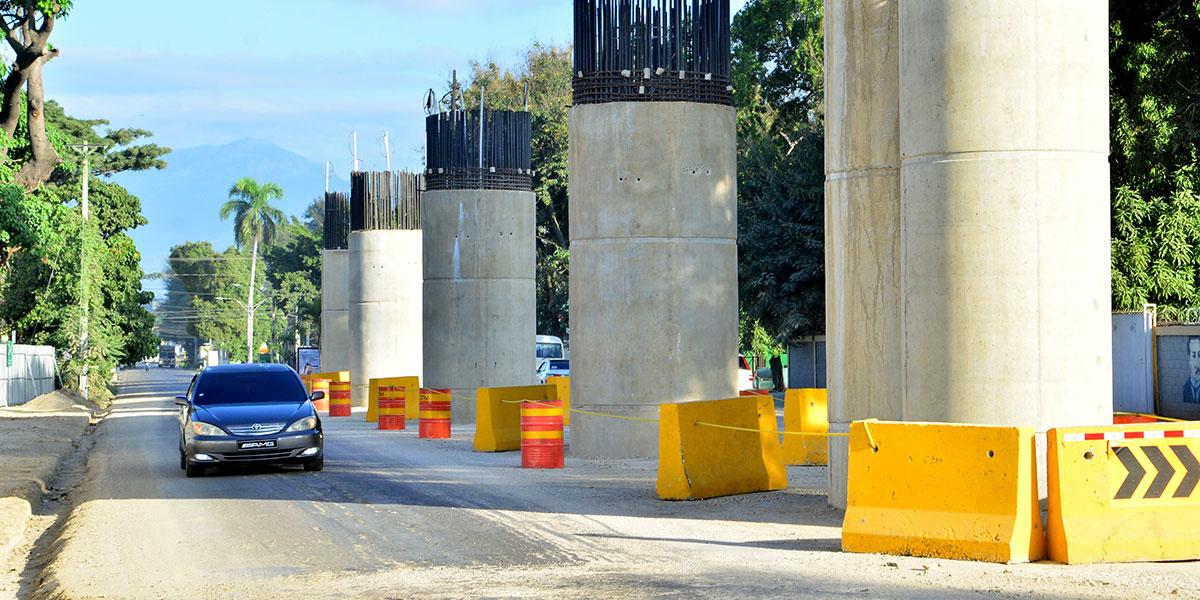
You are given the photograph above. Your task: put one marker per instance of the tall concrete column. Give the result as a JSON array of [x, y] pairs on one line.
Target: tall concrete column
[[862, 222], [385, 279], [478, 224], [653, 224], [1005, 224], [335, 299]]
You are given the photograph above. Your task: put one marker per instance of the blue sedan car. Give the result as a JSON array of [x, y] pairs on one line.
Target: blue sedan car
[[244, 414]]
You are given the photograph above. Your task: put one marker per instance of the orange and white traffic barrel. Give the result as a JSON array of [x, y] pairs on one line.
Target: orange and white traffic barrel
[[339, 398], [434, 414], [391, 408], [321, 385], [542, 434]]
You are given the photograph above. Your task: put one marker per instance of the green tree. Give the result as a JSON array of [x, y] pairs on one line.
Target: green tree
[[547, 70], [254, 222], [778, 66], [1154, 86], [26, 25], [41, 285], [778, 74], [293, 266], [124, 148], [201, 284]]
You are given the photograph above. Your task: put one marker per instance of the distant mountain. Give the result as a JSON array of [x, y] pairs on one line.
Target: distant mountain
[[181, 201]]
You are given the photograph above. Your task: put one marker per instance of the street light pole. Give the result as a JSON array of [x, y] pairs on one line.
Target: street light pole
[[250, 309], [86, 150]]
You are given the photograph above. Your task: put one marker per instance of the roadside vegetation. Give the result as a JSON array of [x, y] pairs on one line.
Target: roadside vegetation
[[43, 286]]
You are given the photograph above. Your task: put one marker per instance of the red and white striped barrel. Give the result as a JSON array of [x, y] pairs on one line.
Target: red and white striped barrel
[[321, 385], [391, 408], [434, 414], [542, 434], [339, 398]]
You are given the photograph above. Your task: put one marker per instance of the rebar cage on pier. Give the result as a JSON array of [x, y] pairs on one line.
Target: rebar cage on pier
[[381, 200], [652, 50], [337, 221], [470, 151]]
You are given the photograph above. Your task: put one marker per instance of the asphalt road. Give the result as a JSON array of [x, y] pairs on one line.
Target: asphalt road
[[393, 516]]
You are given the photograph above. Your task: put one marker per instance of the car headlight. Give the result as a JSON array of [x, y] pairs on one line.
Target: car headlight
[[303, 424], [206, 429]]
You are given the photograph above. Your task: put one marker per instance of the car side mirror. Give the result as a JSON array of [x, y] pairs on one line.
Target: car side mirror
[[181, 400], [318, 395]]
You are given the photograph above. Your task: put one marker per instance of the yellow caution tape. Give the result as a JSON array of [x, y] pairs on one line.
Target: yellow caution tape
[[767, 431], [576, 410]]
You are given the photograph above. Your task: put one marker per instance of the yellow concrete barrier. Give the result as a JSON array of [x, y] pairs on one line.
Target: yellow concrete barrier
[[697, 460], [943, 490], [339, 376], [805, 410], [498, 415], [1124, 493], [564, 393], [412, 395]]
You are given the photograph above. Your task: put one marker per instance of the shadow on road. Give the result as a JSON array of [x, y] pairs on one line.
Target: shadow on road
[[366, 466]]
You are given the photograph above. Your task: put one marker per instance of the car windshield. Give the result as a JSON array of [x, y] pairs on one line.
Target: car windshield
[[239, 388], [547, 350]]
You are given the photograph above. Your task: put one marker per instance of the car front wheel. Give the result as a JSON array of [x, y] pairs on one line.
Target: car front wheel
[[315, 464], [194, 470]]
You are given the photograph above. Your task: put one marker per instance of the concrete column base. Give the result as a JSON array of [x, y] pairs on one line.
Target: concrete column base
[[839, 465], [335, 313], [608, 437], [385, 308]]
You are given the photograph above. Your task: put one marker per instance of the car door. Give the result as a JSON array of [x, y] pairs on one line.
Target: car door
[[183, 410]]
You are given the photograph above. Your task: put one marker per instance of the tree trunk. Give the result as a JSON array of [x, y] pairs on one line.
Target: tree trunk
[[250, 303], [10, 111], [43, 158]]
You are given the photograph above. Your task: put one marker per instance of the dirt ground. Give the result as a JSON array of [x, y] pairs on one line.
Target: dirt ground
[[41, 443]]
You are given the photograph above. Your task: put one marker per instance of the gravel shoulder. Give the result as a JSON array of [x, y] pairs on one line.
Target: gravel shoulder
[[36, 440]]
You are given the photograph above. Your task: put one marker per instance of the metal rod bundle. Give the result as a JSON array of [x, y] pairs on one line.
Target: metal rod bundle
[[478, 150], [382, 200], [337, 221], [652, 50]]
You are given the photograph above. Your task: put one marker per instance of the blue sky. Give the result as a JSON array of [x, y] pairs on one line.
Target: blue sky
[[300, 73]]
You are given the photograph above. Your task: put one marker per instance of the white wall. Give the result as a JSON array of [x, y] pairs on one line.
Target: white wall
[[31, 374]]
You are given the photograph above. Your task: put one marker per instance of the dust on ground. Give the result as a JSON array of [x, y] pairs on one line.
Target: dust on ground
[[36, 440]]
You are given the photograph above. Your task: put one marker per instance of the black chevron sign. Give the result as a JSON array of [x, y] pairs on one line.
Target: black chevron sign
[[1162, 469]]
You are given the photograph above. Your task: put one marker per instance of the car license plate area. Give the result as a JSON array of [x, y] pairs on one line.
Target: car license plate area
[[257, 444]]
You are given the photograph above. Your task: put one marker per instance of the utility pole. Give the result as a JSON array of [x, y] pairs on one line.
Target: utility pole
[[86, 150]]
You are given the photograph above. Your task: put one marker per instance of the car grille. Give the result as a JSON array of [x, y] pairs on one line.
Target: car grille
[[270, 454], [264, 429]]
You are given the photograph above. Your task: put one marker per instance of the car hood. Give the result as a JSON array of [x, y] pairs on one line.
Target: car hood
[[232, 415]]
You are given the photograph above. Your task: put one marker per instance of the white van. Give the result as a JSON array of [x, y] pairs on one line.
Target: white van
[[548, 346]]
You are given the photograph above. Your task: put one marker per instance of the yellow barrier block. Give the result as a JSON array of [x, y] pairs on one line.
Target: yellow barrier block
[[1124, 493], [943, 490], [564, 393], [338, 376], [412, 395], [698, 461], [498, 415], [805, 410]]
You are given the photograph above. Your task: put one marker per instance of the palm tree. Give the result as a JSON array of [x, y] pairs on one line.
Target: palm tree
[[253, 224]]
